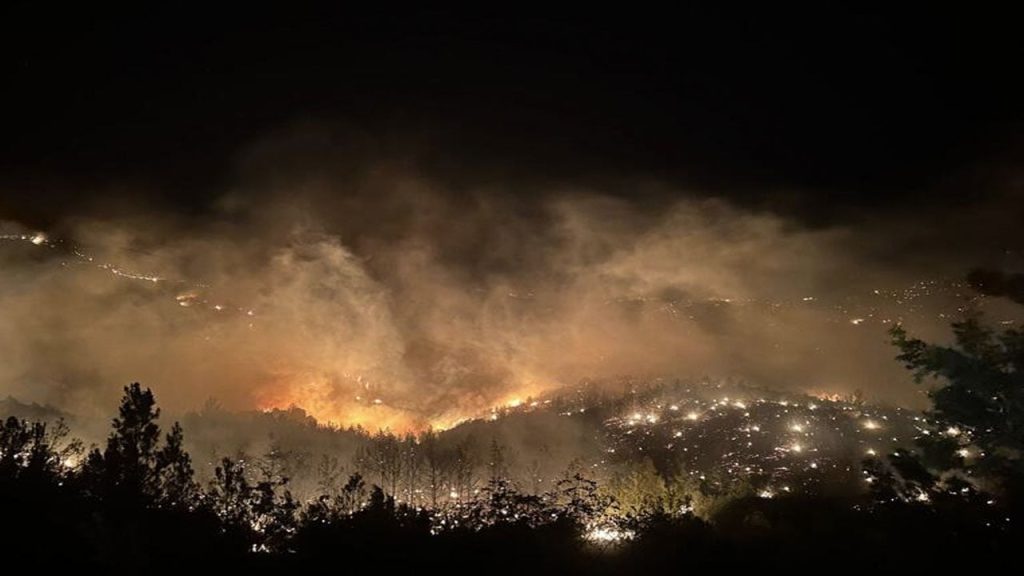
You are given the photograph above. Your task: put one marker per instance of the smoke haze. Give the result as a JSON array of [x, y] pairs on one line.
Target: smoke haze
[[384, 297]]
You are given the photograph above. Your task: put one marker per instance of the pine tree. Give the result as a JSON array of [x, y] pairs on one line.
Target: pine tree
[[128, 464], [176, 485], [976, 437]]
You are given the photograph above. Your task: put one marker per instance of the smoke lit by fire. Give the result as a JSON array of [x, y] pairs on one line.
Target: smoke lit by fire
[[389, 303]]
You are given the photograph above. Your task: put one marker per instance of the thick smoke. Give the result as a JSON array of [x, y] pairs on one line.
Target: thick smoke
[[388, 299]]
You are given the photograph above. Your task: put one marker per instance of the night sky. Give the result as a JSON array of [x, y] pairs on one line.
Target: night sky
[[835, 106]]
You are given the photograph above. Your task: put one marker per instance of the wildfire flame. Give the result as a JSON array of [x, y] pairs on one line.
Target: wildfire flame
[[333, 404]]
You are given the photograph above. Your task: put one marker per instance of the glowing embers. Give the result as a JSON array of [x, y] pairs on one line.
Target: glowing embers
[[642, 418], [607, 534], [187, 299]]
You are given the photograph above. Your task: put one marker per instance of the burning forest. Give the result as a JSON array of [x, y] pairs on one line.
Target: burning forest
[[561, 293]]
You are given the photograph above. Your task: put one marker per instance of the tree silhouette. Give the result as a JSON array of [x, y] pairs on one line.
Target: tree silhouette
[[153, 513], [176, 485], [980, 396], [977, 437], [436, 463], [261, 513], [463, 471], [34, 452], [134, 469], [496, 464], [128, 464], [579, 497]]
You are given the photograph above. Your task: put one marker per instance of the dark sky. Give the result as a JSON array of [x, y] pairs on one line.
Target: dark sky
[[850, 108]]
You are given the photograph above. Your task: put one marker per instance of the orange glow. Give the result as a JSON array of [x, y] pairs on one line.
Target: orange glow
[[347, 406]]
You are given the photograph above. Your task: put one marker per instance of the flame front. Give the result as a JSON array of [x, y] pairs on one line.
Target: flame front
[[354, 402]]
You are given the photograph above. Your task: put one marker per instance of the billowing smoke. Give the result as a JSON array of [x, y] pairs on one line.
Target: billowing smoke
[[388, 299]]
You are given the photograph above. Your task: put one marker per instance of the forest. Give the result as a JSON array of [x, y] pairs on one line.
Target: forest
[[338, 288], [414, 502]]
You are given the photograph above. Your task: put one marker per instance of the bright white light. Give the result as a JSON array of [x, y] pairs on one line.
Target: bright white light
[[607, 535], [692, 416], [871, 425]]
